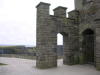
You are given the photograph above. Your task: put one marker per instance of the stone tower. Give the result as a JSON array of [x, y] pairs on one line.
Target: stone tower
[[80, 30]]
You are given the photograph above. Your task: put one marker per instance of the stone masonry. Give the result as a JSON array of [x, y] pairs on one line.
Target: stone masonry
[[80, 30]]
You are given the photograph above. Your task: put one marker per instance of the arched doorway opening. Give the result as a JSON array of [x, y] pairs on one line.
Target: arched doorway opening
[[88, 46], [59, 45], [62, 39]]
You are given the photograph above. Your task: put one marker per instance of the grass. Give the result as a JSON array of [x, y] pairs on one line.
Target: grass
[[1, 64]]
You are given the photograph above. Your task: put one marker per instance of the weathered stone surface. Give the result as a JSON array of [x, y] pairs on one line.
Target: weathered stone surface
[[80, 30]]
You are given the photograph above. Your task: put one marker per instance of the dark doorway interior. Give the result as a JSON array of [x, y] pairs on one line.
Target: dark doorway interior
[[88, 46]]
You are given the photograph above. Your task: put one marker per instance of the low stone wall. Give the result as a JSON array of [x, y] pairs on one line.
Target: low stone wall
[[23, 56]]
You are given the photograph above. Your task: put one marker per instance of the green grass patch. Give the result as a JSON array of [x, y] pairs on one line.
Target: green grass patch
[[1, 64]]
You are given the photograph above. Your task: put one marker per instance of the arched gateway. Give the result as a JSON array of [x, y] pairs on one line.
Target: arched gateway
[[81, 43], [88, 46]]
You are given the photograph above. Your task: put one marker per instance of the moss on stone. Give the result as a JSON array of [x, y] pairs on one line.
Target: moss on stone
[[81, 59], [98, 67], [45, 66], [76, 59]]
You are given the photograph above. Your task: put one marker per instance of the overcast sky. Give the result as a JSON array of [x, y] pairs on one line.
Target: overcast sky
[[18, 20]]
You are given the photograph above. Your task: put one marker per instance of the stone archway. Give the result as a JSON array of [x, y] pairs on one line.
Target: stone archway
[[88, 46], [66, 50], [59, 45]]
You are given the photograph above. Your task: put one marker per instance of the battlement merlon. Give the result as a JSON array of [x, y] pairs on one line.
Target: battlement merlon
[[60, 11], [43, 4], [43, 9], [73, 14]]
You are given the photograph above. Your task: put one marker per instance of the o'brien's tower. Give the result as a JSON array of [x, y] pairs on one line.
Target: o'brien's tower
[[80, 30]]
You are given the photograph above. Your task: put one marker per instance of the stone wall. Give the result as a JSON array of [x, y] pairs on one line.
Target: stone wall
[[85, 17], [48, 26]]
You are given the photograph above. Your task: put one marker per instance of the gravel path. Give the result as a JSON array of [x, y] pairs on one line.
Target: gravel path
[[18, 66]]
